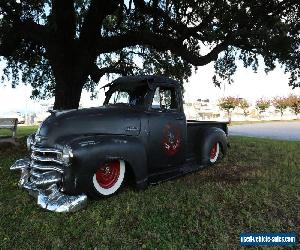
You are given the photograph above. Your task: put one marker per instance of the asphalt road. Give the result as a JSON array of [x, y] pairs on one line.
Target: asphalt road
[[274, 130]]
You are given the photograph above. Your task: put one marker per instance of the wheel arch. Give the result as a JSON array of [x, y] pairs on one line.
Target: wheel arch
[[96, 150], [207, 137]]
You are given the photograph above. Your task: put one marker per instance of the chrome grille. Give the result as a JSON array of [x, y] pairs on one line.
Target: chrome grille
[[44, 167], [46, 150], [46, 159], [44, 178]]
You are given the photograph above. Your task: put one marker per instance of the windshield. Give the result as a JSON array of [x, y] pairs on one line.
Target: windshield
[[128, 95]]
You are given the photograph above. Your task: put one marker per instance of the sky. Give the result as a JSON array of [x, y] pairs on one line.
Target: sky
[[247, 84]]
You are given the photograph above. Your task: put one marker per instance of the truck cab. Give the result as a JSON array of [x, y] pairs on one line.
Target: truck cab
[[140, 131], [162, 118]]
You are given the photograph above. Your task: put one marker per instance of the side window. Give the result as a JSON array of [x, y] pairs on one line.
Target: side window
[[165, 99], [119, 97], [156, 100]]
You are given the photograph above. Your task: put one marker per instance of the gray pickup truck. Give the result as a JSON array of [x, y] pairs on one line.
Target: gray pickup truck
[[140, 132]]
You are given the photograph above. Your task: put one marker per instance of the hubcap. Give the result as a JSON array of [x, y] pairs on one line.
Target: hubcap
[[213, 151], [108, 174]]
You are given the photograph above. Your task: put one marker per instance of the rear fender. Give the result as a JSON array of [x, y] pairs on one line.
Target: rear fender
[[207, 137]]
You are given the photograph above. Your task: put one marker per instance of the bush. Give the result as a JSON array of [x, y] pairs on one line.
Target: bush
[[244, 105], [228, 104], [294, 103], [280, 103], [262, 105]]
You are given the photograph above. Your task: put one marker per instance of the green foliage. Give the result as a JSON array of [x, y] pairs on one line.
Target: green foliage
[[244, 105], [228, 104], [225, 67], [280, 104], [294, 103], [262, 105], [253, 189], [38, 42]]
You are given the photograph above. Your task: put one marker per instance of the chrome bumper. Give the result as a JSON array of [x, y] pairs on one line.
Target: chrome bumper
[[43, 186]]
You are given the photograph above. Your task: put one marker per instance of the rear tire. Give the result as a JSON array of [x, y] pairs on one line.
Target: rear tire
[[212, 146], [214, 153]]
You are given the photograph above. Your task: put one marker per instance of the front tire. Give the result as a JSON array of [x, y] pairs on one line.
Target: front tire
[[107, 179]]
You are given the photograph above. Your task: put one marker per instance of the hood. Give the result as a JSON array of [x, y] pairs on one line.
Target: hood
[[106, 120]]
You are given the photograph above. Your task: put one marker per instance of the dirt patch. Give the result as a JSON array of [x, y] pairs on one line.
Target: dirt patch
[[8, 139], [10, 145], [229, 173]]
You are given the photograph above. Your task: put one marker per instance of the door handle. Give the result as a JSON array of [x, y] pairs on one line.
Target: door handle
[[180, 118]]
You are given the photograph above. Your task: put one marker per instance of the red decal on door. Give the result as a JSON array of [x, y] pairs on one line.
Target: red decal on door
[[171, 139]]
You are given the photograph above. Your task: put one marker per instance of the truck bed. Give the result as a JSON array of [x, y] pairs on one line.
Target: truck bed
[[193, 124], [193, 128]]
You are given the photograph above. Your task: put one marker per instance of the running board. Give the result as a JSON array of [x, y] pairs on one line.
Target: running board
[[169, 175]]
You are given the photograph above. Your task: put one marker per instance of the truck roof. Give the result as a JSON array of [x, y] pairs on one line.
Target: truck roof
[[144, 78]]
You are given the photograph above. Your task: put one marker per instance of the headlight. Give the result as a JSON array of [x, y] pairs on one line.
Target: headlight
[[29, 141], [67, 154]]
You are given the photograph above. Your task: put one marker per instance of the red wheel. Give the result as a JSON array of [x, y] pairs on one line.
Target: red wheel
[[108, 177], [108, 174], [214, 152]]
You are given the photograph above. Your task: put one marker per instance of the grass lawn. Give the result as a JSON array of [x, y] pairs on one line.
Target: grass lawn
[[262, 121], [255, 189], [21, 131]]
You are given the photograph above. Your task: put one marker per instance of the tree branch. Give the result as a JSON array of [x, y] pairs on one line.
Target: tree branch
[[12, 9], [156, 12], [97, 12], [32, 31], [21, 29], [185, 32], [284, 5], [64, 15], [160, 43], [97, 73]]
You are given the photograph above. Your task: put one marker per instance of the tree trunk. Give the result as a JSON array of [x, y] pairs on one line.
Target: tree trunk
[[281, 113], [67, 95], [70, 78], [229, 116]]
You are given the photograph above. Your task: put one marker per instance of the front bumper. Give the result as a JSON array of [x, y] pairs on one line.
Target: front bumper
[[44, 186]]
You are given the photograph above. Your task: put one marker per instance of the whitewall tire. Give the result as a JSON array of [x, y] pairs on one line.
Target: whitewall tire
[[109, 177], [214, 153]]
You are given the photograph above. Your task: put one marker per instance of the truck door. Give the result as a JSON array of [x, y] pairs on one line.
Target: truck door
[[167, 127]]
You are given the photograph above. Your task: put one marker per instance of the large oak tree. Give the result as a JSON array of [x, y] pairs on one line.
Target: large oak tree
[[63, 46]]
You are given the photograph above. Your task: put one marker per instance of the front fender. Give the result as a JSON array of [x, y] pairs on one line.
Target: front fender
[[89, 152]]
